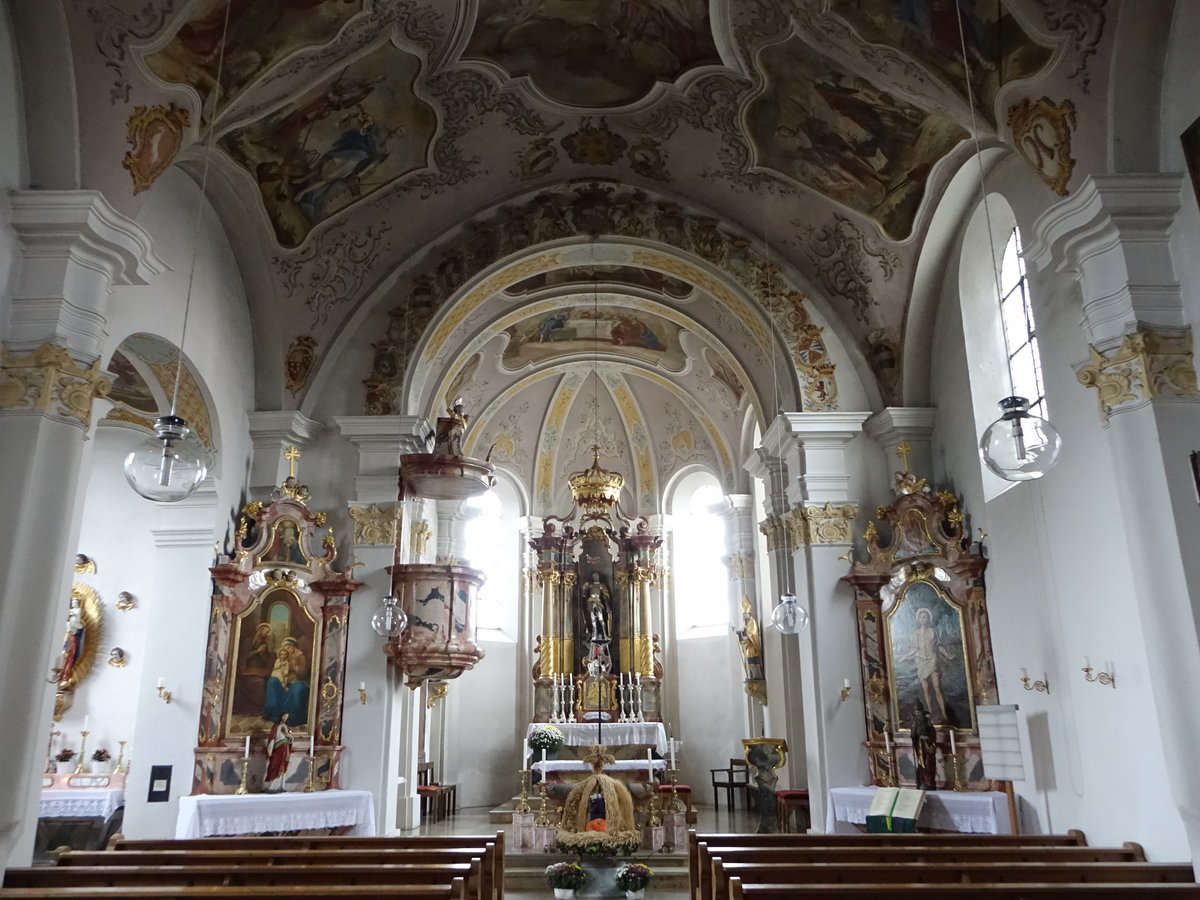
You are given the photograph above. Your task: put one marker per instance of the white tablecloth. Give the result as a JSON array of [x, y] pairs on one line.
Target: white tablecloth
[[59, 802], [970, 812], [616, 734], [578, 765], [206, 815]]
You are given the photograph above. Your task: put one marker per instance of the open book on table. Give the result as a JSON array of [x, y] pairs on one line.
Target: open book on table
[[895, 809]]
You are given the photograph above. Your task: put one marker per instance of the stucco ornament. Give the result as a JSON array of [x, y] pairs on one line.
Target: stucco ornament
[[49, 381], [375, 526], [1146, 365], [1041, 131]]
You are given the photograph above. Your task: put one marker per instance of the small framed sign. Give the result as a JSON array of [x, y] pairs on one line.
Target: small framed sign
[[160, 784]]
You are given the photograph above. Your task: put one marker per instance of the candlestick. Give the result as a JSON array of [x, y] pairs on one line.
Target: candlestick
[[523, 803], [310, 782], [82, 750], [242, 789], [119, 770]]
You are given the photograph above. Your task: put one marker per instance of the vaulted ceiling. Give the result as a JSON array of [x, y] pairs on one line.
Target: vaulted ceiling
[[381, 161]]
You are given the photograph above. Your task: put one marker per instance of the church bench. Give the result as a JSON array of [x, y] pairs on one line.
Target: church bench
[[287, 858], [894, 891], [1073, 838], [885, 853], [244, 876], [922, 873], [234, 892]]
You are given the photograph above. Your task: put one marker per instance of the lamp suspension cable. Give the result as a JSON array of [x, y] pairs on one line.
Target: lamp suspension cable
[[1018, 446], [171, 465]]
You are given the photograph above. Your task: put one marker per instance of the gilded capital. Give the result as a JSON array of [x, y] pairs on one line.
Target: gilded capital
[[777, 533], [49, 381], [826, 524], [1145, 365], [375, 526]]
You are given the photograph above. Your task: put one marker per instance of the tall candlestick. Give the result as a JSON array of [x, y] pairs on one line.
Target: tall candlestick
[[246, 754]]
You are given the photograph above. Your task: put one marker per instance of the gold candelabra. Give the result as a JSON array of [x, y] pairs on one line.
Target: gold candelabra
[[523, 803], [543, 816], [241, 788], [164, 694], [82, 752], [310, 784], [952, 761], [653, 817], [674, 804], [845, 692], [1106, 678], [1043, 685], [885, 766]]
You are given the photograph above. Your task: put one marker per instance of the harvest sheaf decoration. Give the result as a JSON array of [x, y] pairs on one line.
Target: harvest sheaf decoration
[[587, 209], [924, 637]]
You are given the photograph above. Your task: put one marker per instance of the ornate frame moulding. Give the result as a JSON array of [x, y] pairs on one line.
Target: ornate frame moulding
[[1032, 122], [1146, 365], [48, 380], [375, 526]]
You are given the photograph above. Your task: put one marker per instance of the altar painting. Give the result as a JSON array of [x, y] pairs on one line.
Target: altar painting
[[273, 673], [285, 545], [577, 329], [927, 647]]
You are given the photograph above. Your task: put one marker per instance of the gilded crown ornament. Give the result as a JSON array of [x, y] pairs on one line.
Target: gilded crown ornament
[[595, 489]]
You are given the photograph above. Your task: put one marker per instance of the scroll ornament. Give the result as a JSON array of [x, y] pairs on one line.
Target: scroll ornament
[[1144, 366], [374, 526], [50, 381]]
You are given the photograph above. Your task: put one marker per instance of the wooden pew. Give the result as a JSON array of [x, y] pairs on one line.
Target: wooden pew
[[1073, 838], [899, 853], [245, 876], [345, 842], [1082, 891], [952, 873], [249, 892], [289, 858]]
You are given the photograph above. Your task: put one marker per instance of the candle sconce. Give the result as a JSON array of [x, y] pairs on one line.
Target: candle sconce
[[1043, 685], [1107, 678], [163, 694], [845, 691], [362, 694]]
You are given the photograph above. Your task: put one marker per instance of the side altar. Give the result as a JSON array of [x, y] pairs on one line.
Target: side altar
[[275, 665]]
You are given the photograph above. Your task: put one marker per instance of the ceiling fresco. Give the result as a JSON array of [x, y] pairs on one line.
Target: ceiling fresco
[[577, 328], [422, 144]]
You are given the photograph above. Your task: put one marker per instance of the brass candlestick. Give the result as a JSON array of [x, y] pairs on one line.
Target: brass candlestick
[[82, 752], [674, 805], [242, 789], [653, 818], [887, 770], [543, 816], [523, 803], [310, 781], [953, 762], [120, 759]]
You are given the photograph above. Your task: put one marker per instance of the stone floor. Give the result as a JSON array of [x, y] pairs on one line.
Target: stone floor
[[524, 879]]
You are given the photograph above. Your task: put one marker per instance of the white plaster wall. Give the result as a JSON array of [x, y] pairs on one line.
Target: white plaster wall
[[1059, 584], [709, 673]]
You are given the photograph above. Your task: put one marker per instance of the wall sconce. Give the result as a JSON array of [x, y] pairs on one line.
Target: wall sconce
[[1043, 685], [163, 693], [845, 692], [362, 693], [1107, 678]]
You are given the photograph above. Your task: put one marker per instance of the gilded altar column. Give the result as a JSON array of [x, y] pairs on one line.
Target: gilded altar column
[[643, 577], [815, 448], [564, 654], [1113, 239], [70, 249]]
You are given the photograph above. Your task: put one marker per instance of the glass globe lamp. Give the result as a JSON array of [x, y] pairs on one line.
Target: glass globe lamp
[[1019, 446], [170, 465], [390, 621], [789, 617]]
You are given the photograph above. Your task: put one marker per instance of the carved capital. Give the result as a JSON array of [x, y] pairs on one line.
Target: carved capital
[[375, 526], [826, 524], [1145, 365], [777, 533], [741, 564], [50, 382]]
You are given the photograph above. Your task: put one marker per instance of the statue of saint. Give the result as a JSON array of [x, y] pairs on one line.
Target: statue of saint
[[599, 619], [74, 644], [450, 431], [279, 753], [924, 747], [750, 644]]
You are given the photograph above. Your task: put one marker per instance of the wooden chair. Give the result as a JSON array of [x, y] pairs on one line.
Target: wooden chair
[[735, 777], [788, 802], [437, 800]]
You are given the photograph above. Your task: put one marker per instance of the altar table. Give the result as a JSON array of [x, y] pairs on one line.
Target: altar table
[[613, 734], [969, 812], [57, 803], [205, 815], [579, 767]]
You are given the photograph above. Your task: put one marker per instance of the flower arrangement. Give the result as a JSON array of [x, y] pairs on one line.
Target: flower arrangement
[[634, 876], [101, 755], [546, 737], [566, 875], [66, 754]]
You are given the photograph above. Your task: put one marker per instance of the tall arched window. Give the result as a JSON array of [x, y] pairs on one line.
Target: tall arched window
[[699, 575], [1020, 333]]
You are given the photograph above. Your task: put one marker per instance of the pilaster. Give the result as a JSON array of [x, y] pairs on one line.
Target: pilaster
[[898, 425], [380, 440], [272, 432]]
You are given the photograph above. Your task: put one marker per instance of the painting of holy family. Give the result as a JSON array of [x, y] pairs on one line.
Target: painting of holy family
[[273, 664]]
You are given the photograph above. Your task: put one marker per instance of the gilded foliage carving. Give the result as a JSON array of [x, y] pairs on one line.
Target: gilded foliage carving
[[1144, 366], [375, 526], [49, 381], [826, 524], [155, 134]]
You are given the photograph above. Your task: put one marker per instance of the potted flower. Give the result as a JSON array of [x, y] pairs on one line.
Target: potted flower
[[565, 878], [101, 756], [63, 757], [548, 738], [632, 878]]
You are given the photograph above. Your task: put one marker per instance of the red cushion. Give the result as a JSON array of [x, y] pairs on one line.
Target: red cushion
[[679, 788], [792, 795], [427, 789]]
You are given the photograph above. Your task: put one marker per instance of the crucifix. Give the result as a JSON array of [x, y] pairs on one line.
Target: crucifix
[[902, 451], [291, 454]]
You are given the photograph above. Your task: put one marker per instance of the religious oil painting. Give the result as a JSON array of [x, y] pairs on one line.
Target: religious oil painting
[[929, 663], [998, 49], [273, 669], [821, 125], [258, 34], [594, 53], [576, 329], [129, 386], [342, 141], [285, 545]]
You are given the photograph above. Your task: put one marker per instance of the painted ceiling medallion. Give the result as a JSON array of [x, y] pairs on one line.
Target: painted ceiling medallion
[[594, 145], [594, 54], [155, 134]]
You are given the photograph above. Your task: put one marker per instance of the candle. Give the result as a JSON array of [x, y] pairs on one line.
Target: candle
[[1024, 673], [846, 682], [543, 762], [671, 746], [887, 743], [1086, 663], [162, 682], [362, 685], [952, 747], [312, 745], [650, 762], [86, 721], [246, 754], [524, 752], [639, 679]]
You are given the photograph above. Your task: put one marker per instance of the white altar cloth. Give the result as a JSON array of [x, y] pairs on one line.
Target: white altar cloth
[[205, 815], [614, 734], [969, 812], [578, 765], [79, 802]]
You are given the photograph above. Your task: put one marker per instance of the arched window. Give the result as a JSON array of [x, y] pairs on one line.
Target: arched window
[[1020, 333], [699, 575], [492, 540]]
